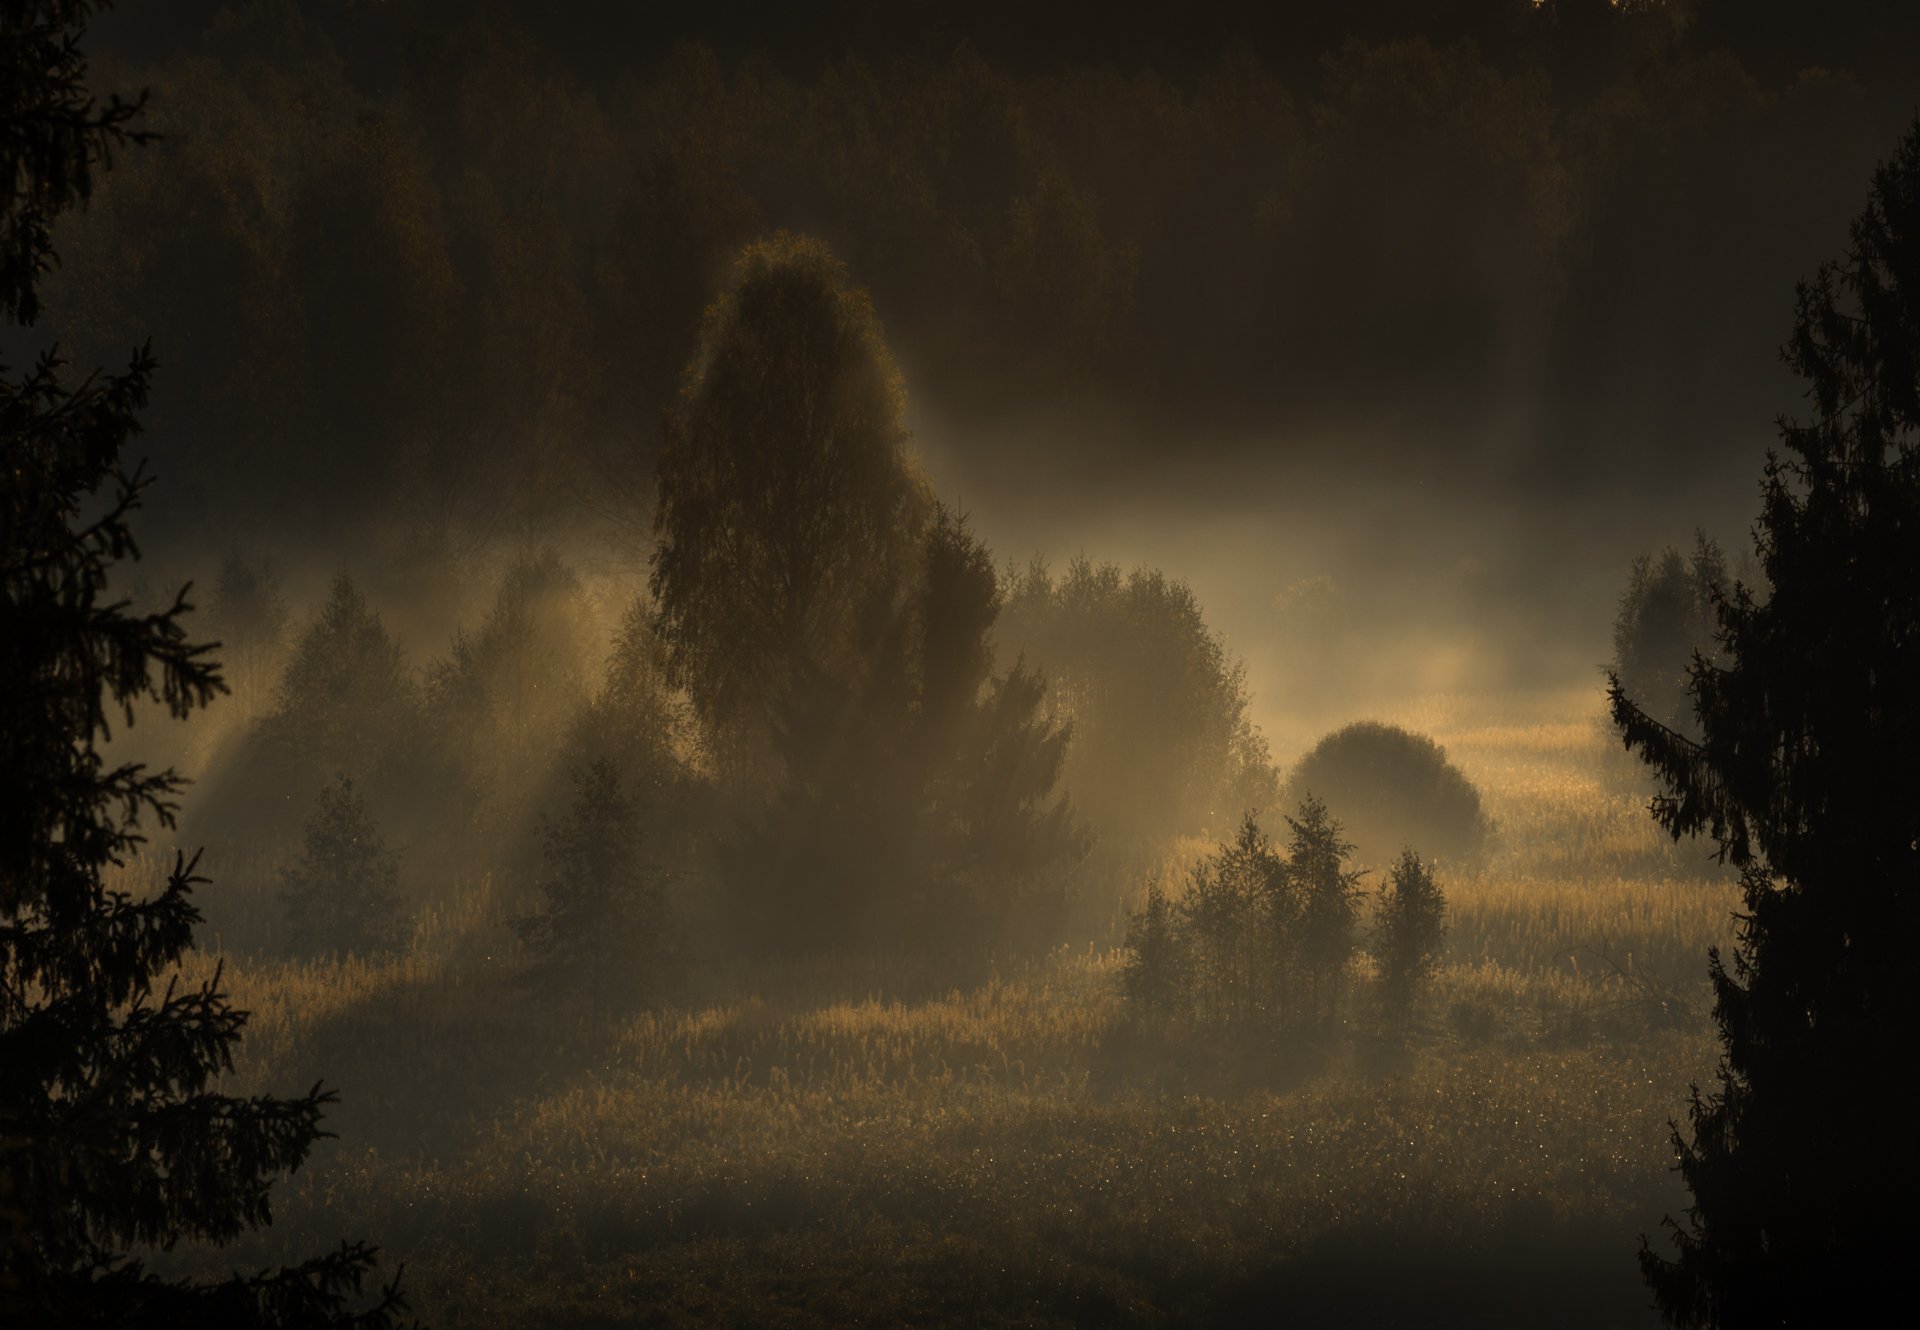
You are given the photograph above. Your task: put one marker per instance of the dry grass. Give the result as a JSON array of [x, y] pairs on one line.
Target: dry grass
[[1010, 1153]]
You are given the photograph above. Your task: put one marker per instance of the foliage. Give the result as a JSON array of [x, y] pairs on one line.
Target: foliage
[[1391, 787], [113, 1136], [345, 698], [646, 728], [600, 928], [1257, 936], [1242, 914], [788, 507], [1803, 774], [345, 705], [832, 627], [1154, 981], [1329, 902], [1666, 617], [1407, 928], [918, 802], [341, 897], [1131, 663]]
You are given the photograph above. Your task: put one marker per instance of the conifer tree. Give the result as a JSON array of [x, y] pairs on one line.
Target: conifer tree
[[1406, 939], [1329, 895], [342, 895], [110, 1132], [599, 929], [1802, 1161], [1155, 981]]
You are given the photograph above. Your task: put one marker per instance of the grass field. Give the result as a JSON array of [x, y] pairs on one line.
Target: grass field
[[799, 1148]]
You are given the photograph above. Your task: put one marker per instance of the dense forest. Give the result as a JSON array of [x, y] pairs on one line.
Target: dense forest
[[955, 664]]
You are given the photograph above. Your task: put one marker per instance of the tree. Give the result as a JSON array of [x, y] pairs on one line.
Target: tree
[[1240, 915], [342, 895], [345, 703], [646, 728], [109, 1132], [1406, 934], [917, 802], [1804, 774], [1329, 895], [1163, 743], [599, 929], [503, 697], [787, 501], [1667, 614], [1155, 979]]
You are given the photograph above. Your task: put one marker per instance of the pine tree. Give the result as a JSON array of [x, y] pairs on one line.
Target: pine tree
[[109, 1133], [1407, 932], [1329, 894], [342, 895], [1802, 1161], [599, 930], [788, 501], [1156, 979]]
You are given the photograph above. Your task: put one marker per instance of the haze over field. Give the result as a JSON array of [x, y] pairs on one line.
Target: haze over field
[[954, 664]]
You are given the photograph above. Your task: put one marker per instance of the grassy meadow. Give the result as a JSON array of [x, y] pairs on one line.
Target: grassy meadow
[[826, 1145]]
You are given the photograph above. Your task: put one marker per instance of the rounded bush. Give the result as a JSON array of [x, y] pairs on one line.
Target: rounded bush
[[1392, 789]]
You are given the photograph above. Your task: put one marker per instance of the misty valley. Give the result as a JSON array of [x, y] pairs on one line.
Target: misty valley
[[957, 667]]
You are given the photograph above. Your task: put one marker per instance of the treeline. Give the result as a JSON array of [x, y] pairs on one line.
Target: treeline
[[445, 275]]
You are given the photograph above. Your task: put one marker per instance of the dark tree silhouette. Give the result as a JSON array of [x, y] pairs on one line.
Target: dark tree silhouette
[[345, 695], [1329, 895], [342, 894], [599, 929], [1155, 980], [787, 501], [109, 1133], [918, 802], [1805, 775], [1406, 934], [1240, 919]]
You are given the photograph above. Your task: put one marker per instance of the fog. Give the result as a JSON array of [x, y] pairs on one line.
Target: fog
[[946, 663]]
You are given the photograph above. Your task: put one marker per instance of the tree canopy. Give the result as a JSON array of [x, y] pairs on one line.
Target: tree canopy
[[788, 505]]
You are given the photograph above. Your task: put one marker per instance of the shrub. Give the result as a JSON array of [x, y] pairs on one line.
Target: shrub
[[1390, 788]]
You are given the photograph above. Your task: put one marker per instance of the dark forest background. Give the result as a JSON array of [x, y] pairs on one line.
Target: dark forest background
[[427, 272]]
